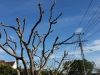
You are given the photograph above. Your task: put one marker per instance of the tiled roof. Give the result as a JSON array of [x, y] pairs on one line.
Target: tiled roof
[[7, 63], [10, 63], [2, 62]]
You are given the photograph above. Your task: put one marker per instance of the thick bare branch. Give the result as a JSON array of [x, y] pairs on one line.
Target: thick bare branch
[[65, 41], [38, 45], [34, 50], [10, 39], [8, 26], [49, 30], [51, 11], [25, 65], [64, 56], [6, 50], [62, 43], [47, 58], [33, 41], [55, 20], [32, 30], [34, 37], [24, 25], [45, 38], [0, 35], [22, 48], [18, 21], [10, 53], [7, 40], [12, 27], [30, 57]]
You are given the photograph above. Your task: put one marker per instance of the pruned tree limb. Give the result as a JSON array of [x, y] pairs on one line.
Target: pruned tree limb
[[8, 26], [64, 56], [12, 54], [41, 14], [24, 25]]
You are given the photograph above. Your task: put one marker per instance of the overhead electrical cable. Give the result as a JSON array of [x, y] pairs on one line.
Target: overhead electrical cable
[[93, 25], [85, 14], [94, 37], [87, 25], [93, 34], [93, 21]]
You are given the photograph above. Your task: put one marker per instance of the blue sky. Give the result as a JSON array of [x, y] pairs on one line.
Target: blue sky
[[73, 11]]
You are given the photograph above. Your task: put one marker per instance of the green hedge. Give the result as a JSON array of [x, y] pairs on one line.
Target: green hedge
[[7, 70]]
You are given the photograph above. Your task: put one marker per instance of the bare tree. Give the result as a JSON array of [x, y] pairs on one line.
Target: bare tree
[[31, 51]]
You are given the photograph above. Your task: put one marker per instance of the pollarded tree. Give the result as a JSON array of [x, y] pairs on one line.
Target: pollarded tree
[[30, 47]]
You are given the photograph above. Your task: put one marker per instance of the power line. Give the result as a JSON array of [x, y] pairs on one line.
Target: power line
[[72, 46], [87, 25], [93, 34], [92, 26], [94, 20], [85, 13]]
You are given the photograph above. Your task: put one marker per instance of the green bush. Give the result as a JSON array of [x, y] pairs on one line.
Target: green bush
[[7, 70]]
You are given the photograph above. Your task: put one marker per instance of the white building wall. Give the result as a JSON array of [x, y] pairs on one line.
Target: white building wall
[[15, 65]]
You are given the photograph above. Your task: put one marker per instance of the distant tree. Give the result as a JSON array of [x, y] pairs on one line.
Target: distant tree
[[97, 70], [76, 68], [7, 70], [29, 46], [45, 72], [51, 72], [67, 67]]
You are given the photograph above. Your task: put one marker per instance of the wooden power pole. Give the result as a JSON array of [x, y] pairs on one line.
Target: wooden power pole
[[81, 48]]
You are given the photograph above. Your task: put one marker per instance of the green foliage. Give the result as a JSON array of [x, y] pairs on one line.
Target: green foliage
[[77, 67], [45, 72], [51, 72], [7, 70]]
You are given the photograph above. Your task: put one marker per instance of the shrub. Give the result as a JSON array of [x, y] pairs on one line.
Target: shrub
[[7, 70]]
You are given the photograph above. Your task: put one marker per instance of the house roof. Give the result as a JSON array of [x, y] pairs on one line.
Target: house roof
[[2, 62], [11, 63]]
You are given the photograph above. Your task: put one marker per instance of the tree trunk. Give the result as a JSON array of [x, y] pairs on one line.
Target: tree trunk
[[17, 63], [18, 72], [31, 66]]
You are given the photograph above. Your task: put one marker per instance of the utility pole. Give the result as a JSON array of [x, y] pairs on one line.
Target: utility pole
[[81, 48]]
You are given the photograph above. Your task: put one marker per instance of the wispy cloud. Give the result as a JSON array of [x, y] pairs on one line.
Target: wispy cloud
[[95, 46], [70, 20], [96, 60], [79, 30], [96, 42], [88, 48], [92, 48]]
